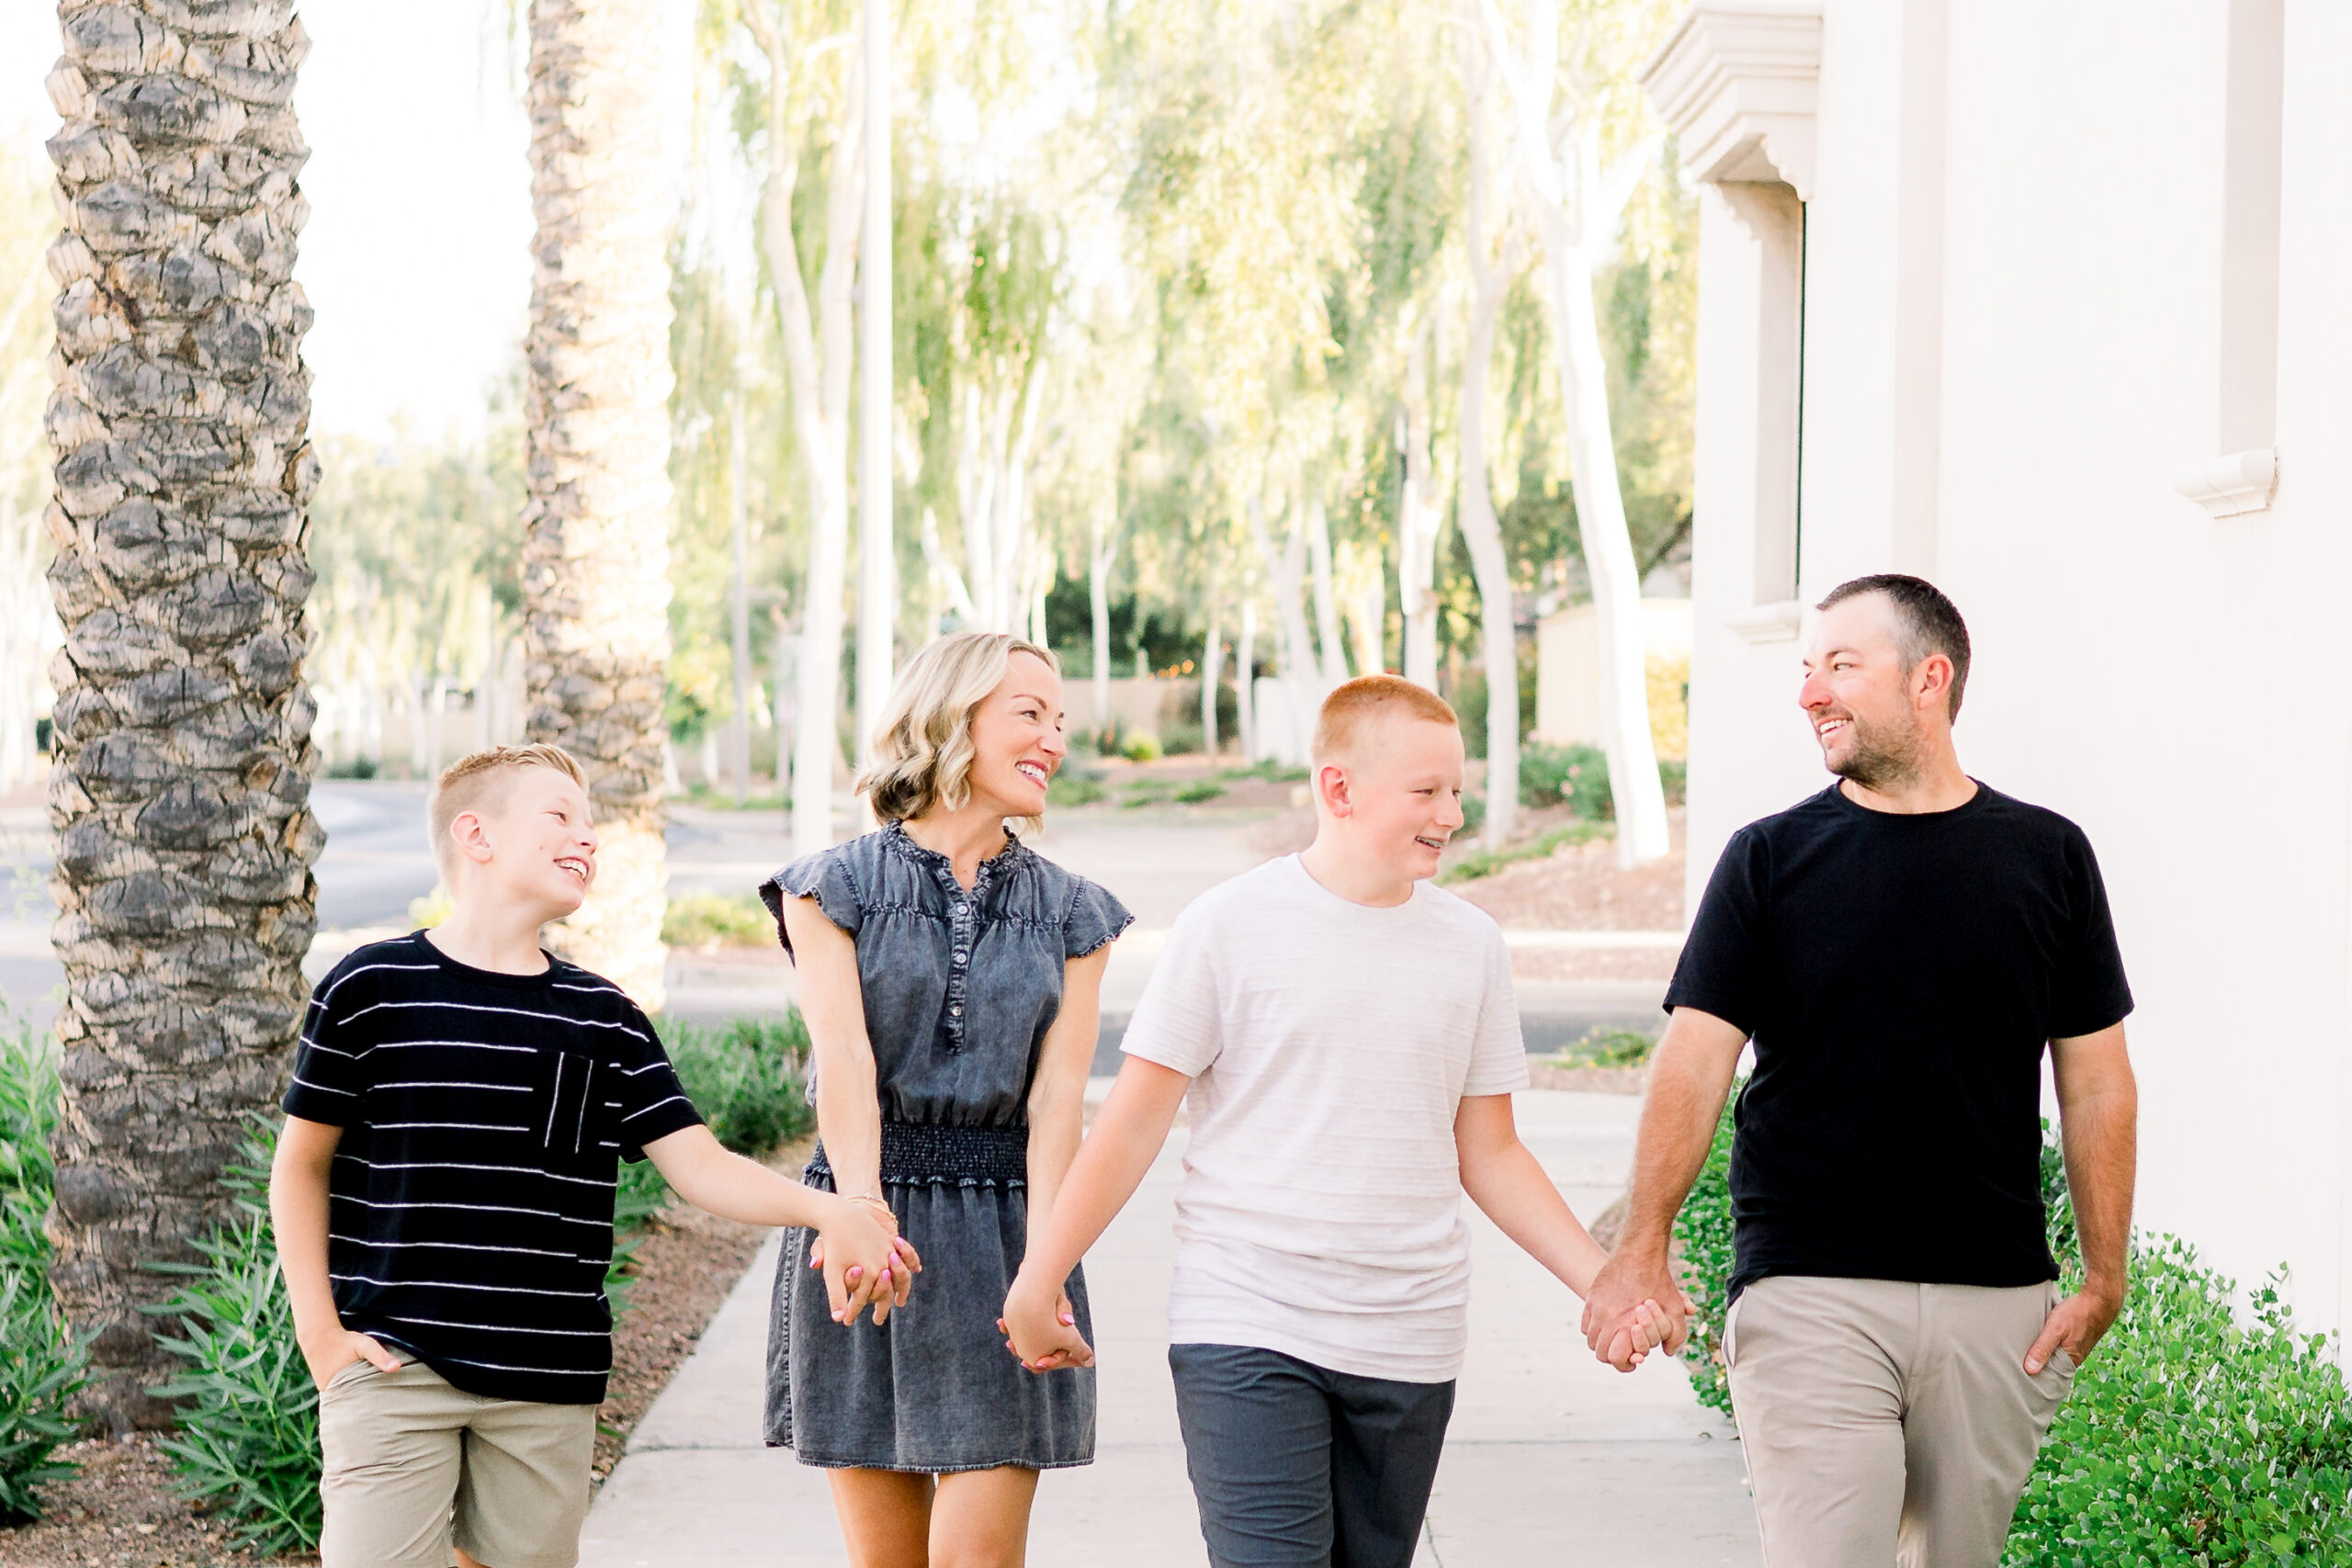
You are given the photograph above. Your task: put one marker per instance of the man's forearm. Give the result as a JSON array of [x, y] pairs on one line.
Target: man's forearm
[[1687, 1091], [2100, 1135]]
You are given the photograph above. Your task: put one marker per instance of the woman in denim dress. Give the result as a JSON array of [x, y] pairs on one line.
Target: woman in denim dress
[[951, 978]]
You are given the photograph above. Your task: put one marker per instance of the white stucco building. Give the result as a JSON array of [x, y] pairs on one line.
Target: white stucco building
[[2029, 300]]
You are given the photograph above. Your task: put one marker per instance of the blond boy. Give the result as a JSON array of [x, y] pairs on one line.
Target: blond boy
[[443, 1194], [1346, 1037]]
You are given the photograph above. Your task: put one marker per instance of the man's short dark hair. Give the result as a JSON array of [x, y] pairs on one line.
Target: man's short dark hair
[[1926, 622]]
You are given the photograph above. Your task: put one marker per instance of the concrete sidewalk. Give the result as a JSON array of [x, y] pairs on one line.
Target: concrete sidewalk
[[1551, 1458]]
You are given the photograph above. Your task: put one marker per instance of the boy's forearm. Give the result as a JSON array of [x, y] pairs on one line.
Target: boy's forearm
[[720, 1182], [1511, 1188], [298, 1217]]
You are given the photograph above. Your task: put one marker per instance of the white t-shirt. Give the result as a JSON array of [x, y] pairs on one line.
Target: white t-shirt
[[1329, 1045]]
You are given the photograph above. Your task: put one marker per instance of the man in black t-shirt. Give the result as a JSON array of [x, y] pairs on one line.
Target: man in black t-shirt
[[1900, 949]]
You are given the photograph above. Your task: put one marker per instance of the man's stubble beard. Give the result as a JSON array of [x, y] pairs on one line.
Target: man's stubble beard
[[1880, 760]]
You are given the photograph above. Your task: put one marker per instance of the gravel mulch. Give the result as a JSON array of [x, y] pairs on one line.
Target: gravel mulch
[[120, 1511]]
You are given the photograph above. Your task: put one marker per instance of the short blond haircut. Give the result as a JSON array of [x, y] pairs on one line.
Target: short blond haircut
[[921, 755], [1355, 705], [475, 782]]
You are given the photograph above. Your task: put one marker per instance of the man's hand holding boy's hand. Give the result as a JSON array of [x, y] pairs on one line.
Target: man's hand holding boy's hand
[[330, 1350], [1627, 1285], [1042, 1328], [866, 1261]]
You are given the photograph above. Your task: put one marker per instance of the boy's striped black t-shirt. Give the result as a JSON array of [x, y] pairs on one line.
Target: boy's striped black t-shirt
[[470, 1207]]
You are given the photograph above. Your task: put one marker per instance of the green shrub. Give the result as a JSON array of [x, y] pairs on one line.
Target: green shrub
[[1075, 787], [1612, 1048], [1181, 740], [42, 1368], [1575, 774], [1702, 1234], [1485, 862], [2194, 1435], [1474, 812], [247, 1446], [1144, 792], [29, 1105], [718, 919], [749, 1078], [1141, 749], [1194, 794]]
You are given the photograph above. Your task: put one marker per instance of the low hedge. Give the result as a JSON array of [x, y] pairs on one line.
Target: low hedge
[[2200, 1432]]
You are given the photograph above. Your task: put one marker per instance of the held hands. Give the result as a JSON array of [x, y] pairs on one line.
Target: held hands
[[866, 1261], [329, 1352], [1042, 1330], [1624, 1317]]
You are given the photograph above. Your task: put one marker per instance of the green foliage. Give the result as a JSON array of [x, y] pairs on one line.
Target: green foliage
[[1144, 792], [1474, 813], [1610, 1048], [1577, 774], [1485, 862], [1075, 787], [748, 1078], [43, 1367], [1182, 738], [1194, 794], [248, 1443], [2194, 1435], [1268, 769], [717, 920], [1702, 1237], [28, 1107], [1141, 749]]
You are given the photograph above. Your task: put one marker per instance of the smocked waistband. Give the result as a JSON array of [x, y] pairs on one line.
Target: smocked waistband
[[918, 1152]]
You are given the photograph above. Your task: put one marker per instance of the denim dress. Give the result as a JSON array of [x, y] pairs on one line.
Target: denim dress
[[960, 987]]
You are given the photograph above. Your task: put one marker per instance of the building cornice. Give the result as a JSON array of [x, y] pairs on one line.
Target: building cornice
[[2232, 485], [1736, 83]]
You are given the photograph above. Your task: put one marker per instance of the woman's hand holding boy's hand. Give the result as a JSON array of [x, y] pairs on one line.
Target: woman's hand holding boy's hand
[[331, 1349], [1041, 1329], [866, 1261]]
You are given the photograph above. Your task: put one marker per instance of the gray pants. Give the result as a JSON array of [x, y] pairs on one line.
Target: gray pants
[[1888, 1422], [1296, 1466]]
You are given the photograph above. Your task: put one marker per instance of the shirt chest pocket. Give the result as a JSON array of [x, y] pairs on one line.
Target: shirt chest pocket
[[567, 1108]]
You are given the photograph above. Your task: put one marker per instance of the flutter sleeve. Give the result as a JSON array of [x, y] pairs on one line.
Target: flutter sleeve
[[1094, 919], [824, 877]]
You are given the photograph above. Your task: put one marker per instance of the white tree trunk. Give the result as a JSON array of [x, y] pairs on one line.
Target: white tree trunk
[[1481, 531], [1212, 666], [1327, 607], [739, 604], [877, 577], [1245, 653], [818, 373], [1574, 210], [1102, 553], [1418, 523]]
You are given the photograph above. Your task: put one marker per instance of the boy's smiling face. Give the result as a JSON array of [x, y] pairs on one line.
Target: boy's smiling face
[[1398, 796], [532, 843]]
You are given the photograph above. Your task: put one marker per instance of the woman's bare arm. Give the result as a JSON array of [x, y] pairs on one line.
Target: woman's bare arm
[[1058, 1092], [849, 1114]]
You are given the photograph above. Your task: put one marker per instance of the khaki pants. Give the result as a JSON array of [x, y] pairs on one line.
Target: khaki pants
[[1888, 1422], [413, 1465]]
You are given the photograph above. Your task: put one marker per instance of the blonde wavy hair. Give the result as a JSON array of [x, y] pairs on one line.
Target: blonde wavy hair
[[921, 756]]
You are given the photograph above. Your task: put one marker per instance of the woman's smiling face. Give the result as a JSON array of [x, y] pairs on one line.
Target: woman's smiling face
[[1017, 739]]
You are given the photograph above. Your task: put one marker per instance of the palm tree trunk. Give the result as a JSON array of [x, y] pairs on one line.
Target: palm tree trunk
[[183, 726], [596, 526]]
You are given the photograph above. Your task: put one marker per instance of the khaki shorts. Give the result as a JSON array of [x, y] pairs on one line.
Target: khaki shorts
[[415, 1466]]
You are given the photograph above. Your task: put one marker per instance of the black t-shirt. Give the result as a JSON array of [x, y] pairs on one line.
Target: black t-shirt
[[469, 1211], [1901, 976]]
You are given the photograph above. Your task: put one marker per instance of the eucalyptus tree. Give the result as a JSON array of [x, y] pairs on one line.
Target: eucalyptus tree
[[1577, 146], [805, 96], [181, 789], [1492, 262]]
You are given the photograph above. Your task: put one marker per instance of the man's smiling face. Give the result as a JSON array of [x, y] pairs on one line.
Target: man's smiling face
[[1858, 696]]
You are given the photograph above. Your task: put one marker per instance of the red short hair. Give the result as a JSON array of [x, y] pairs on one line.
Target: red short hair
[[1357, 704]]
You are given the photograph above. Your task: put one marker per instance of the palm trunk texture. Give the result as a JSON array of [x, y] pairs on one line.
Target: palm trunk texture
[[596, 527], [183, 728]]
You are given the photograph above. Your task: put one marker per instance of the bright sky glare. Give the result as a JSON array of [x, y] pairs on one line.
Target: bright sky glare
[[417, 254]]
